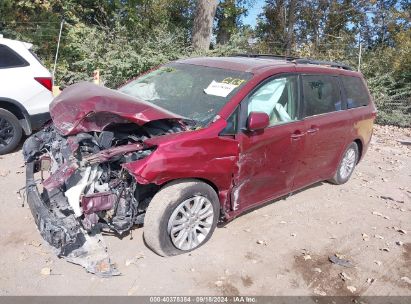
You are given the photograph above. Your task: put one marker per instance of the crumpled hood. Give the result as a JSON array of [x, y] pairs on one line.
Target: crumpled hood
[[86, 107]]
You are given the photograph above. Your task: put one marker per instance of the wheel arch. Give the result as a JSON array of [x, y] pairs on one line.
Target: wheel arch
[[360, 146], [185, 179], [18, 110]]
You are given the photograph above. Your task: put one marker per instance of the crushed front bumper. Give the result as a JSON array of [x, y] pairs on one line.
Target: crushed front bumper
[[62, 230], [62, 233]]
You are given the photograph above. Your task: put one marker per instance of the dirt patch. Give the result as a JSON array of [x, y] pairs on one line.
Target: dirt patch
[[14, 238], [247, 281], [407, 256], [323, 277]]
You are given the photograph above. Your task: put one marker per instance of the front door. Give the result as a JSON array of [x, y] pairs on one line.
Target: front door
[[267, 160]]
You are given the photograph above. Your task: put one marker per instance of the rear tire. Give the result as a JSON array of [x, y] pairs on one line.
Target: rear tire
[[10, 132], [347, 164], [169, 224]]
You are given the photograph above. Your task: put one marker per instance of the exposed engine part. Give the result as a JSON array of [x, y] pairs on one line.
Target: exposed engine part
[[87, 189]]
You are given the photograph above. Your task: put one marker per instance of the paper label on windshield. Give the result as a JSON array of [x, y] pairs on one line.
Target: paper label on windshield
[[219, 88]]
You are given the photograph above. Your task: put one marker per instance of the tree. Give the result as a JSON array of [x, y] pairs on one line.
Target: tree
[[203, 24], [228, 18]]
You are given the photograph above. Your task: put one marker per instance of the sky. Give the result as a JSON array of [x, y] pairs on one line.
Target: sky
[[253, 12]]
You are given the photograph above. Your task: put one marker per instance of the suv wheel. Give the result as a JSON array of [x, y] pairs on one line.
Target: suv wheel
[[181, 217], [347, 165], [10, 132]]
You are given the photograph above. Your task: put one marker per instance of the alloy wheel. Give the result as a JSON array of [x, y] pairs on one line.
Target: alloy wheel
[[6, 132], [191, 222]]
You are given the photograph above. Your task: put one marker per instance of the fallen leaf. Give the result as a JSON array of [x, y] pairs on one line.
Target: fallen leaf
[[45, 271], [307, 257], [218, 283], [351, 288], [132, 290], [134, 260], [402, 231], [344, 276], [4, 173], [35, 243], [319, 292]]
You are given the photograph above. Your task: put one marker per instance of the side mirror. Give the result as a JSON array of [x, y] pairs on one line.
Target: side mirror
[[257, 121]]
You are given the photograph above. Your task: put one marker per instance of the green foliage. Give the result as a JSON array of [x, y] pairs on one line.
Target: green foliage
[[123, 38]]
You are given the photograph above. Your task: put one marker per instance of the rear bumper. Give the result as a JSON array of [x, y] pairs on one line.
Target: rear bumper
[[38, 120], [59, 228]]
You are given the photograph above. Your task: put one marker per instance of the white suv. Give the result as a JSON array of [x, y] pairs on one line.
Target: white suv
[[25, 92]]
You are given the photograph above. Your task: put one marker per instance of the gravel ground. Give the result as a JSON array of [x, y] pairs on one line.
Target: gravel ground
[[282, 248]]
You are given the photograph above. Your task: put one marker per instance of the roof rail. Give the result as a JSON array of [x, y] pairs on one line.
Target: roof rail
[[297, 60], [268, 56], [321, 62]]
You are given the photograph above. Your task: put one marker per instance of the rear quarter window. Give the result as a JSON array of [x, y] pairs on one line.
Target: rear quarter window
[[10, 59], [356, 92]]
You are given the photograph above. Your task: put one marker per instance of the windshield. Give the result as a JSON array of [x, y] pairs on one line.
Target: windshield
[[195, 92]]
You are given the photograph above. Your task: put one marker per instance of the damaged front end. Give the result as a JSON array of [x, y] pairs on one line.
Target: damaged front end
[[77, 187]]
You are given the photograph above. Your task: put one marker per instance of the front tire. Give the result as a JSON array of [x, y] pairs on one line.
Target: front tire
[[10, 132], [347, 164], [181, 217]]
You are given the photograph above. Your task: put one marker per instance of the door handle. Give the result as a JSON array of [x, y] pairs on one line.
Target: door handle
[[297, 135], [313, 129]]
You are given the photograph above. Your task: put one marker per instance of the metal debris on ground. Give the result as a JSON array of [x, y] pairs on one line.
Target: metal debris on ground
[[335, 259]]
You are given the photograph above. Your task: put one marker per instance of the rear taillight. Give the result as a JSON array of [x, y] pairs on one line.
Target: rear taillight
[[46, 82]]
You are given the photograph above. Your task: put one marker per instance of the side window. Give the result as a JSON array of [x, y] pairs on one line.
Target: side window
[[356, 92], [232, 122], [321, 94], [278, 98], [9, 59]]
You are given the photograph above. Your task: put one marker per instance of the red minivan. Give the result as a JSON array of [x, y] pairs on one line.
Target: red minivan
[[189, 144]]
